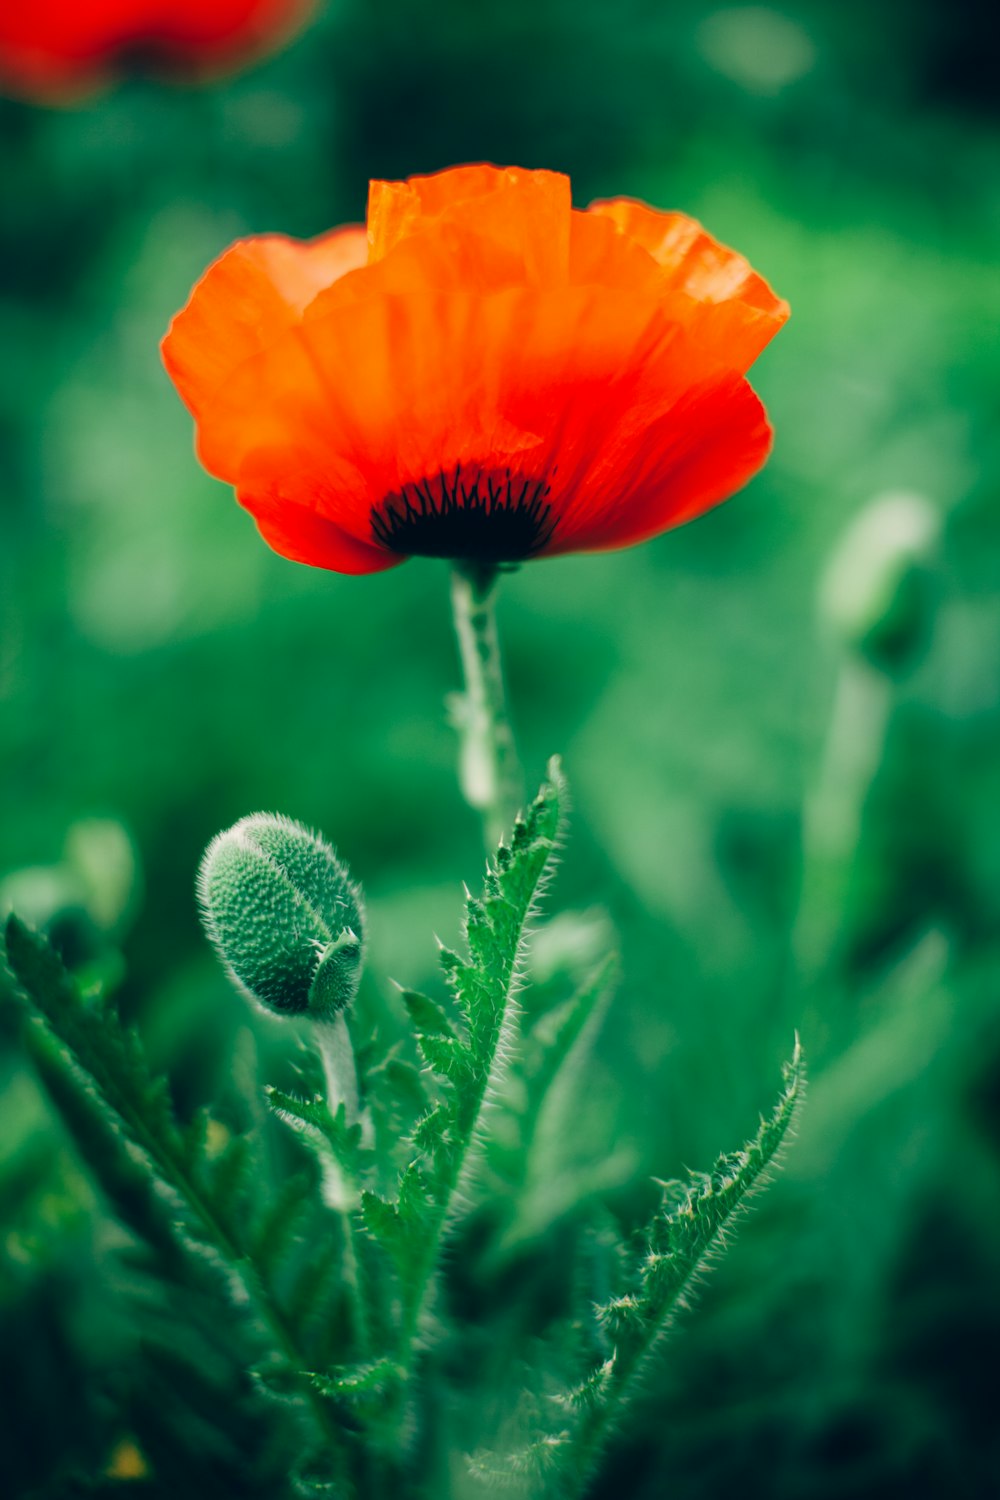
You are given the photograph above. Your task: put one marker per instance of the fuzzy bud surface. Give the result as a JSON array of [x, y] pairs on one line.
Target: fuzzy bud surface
[[284, 916]]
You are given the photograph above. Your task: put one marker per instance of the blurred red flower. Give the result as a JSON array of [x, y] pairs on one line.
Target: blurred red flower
[[485, 374], [56, 49]]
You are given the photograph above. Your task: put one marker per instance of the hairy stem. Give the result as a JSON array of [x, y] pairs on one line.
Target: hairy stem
[[339, 1069], [449, 1190], [341, 1076], [489, 770]]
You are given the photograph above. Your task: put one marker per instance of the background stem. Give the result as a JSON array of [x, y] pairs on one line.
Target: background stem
[[489, 770], [834, 811]]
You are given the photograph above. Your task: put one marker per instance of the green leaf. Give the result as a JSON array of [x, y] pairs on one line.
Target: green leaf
[[230, 1178], [96, 1039], [121, 1115], [400, 1227], [329, 1135], [558, 1030], [353, 1381], [279, 1223], [429, 1018], [483, 985], [681, 1240], [130, 1188], [523, 1469], [382, 1222]]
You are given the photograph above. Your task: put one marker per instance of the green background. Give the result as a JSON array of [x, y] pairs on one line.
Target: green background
[[162, 670]]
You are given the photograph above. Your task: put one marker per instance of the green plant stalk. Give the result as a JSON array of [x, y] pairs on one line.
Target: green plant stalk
[[339, 1070], [834, 811], [447, 1189], [417, 1302], [489, 770], [333, 1040]]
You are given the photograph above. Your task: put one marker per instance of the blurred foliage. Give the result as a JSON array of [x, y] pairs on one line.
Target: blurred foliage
[[162, 674]]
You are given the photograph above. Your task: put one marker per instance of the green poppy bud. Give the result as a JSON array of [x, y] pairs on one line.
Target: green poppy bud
[[879, 589], [284, 916]]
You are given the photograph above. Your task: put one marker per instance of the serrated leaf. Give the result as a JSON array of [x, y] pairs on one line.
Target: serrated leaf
[[311, 1119], [483, 985], [429, 1018], [559, 1029], [129, 1186], [406, 1084], [619, 1314], [592, 1391], [277, 1226], [95, 1037], [429, 1129], [448, 1057], [353, 1381], [681, 1238], [414, 1197], [229, 1177], [381, 1219], [126, 1104], [527, 1466], [400, 1228]]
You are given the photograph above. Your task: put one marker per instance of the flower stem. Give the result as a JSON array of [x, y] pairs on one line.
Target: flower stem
[[339, 1070], [489, 769], [341, 1076]]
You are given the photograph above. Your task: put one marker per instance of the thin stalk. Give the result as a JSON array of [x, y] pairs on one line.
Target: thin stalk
[[340, 1072], [449, 1191], [339, 1069], [489, 770], [834, 811]]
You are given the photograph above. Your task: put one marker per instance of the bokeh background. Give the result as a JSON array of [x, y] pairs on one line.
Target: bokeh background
[[784, 835]]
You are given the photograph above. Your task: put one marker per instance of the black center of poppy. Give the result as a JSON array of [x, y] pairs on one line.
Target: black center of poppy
[[480, 517]]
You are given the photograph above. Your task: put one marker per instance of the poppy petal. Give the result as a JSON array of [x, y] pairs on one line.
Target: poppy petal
[[489, 374], [525, 214], [302, 535], [709, 273], [699, 452], [356, 405], [245, 301]]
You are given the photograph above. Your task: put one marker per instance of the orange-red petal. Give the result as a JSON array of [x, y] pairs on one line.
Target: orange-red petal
[[244, 304], [523, 216], [483, 328], [354, 404], [302, 535], [703, 448], [739, 305]]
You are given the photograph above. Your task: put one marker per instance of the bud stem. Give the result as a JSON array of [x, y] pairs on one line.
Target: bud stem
[[341, 1077], [339, 1071], [489, 770]]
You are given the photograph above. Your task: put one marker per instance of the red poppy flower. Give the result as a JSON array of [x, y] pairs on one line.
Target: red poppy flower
[[59, 47], [485, 375]]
